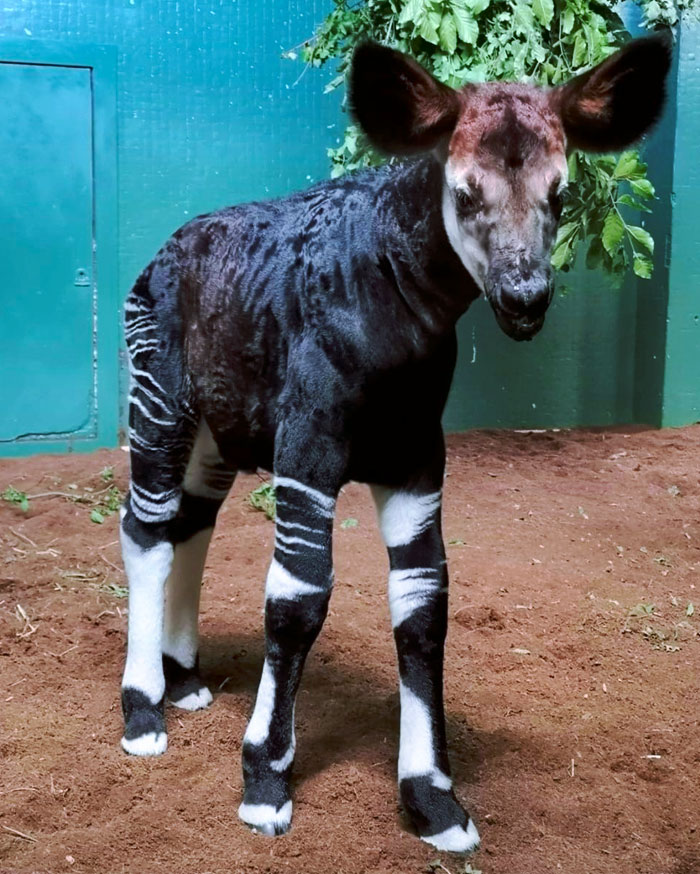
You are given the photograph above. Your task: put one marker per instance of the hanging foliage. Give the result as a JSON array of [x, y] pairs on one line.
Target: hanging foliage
[[545, 42]]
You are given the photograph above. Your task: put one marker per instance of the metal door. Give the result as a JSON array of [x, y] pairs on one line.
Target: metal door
[[47, 301]]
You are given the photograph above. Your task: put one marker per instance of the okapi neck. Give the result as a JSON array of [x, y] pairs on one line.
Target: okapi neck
[[412, 240]]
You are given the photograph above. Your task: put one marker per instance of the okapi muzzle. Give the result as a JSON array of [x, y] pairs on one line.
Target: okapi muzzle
[[520, 291]]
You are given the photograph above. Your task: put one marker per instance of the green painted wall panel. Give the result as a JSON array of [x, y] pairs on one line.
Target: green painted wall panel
[[209, 114], [579, 370], [682, 373], [46, 233]]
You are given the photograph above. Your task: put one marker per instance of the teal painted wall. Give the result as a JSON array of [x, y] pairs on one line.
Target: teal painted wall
[[681, 386], [209, 114]]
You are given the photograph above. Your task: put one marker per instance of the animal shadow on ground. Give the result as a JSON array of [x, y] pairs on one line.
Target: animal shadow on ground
[[346, 712]]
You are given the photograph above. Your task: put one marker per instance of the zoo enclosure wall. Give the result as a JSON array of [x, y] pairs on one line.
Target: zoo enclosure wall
[[205, 112]]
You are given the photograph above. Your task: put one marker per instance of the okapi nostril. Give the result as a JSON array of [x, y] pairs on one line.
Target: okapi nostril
[[517, 301]]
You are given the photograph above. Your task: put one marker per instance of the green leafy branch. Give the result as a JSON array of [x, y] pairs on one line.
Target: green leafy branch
[[545, 42]]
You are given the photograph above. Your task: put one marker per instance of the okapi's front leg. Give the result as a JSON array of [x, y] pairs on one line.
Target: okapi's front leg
[[298, 588], [410, 525]]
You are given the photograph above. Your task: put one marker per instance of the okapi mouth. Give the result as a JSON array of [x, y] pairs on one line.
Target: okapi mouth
[[520, 328], [520, 316]]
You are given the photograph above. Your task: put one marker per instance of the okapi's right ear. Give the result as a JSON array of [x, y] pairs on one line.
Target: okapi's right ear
[[398, 104], [614, 104]]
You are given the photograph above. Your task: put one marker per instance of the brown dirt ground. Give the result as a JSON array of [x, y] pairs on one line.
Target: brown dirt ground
[[572, 710]]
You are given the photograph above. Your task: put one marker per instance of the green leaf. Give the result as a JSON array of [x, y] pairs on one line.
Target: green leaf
[[14, 496], [467, 28], [523, 17], [428, 30], [562, 252], [448, 34], [97, 517], [580, 50], [642, 236], [642, 266], [544, 11], [476, 6], [567, 20], [613, 232], [635, 204], [643, 188], [690, 609], [411, 11], [627, 164], [349, 523]]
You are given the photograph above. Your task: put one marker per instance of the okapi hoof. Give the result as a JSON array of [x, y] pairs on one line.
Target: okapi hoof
[[144, 724], [437, 815], [455, 839], [184, 686], [265, 818]]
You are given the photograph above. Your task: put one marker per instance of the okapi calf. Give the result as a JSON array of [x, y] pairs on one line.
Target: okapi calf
[[314, 336]]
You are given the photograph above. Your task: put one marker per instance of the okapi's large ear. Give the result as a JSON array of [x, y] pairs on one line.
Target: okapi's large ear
[[398, 104], [611, 106]]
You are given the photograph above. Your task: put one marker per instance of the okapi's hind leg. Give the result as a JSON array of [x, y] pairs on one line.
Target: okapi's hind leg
[[177, 485], [164, 560], [207, 482]]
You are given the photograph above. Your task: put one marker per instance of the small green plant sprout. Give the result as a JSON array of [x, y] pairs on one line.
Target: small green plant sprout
[[107, 474], [263, 499], [349, 523], [108, 506], [14, 496], [690, 609], [455, 542]]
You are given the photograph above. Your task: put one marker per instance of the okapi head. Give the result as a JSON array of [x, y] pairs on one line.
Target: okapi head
[[504, 147]]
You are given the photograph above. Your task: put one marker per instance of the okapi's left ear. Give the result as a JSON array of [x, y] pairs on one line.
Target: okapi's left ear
[[611, 106], [398, 104]]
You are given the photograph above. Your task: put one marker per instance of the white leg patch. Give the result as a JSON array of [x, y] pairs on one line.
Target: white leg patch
[[416, 741], [455, 839], [265, 819], [151, 744], [281, 584], [403, 516], [286, 760], [259, 725], [180, 636], [416, 753], [146, 571], [411, 589], [195, 700], [206, 475]]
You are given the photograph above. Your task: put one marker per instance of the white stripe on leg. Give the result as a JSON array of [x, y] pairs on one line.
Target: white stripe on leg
[[182, 592], [259, 725], [146, 571], [416, 741], [404, 515]]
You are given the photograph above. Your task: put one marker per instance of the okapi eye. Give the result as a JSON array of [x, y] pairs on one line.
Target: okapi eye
[[467, 202], [556, 200]]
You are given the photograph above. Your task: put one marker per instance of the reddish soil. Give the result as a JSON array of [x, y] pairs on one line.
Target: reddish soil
[[572, 675]]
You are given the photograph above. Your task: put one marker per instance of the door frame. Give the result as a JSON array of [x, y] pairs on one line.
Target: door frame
[[101, 62]]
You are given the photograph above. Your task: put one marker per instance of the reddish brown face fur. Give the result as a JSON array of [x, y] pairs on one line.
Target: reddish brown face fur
[[504, 176], [503, 147]]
